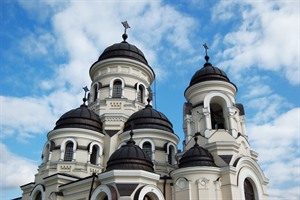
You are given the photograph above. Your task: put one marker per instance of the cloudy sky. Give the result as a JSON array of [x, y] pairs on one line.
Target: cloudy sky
[[48, 46]]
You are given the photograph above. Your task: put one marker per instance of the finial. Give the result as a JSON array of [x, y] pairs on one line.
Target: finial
[[206, 48], [126, 26], [196, 139], [85, 91], [131, 141]]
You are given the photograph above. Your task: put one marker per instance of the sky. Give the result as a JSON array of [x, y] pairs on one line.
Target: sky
[[48, 46]]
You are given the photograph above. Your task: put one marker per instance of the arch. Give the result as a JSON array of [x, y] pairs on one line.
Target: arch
[[208, 98], [249, 193], [247, 168], [103, 192], [63, 148], [151, 151], [171, 151], [116, 88], [95, 153], [46, 152], [217, 107], [140, 92], [38, 193], [95, 91], [150, 192]]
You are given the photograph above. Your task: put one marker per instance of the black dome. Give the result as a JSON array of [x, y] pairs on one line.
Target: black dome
[[130, 157], [208, 73], [81, 117], [123, 50], [196, 156], [148, 118]]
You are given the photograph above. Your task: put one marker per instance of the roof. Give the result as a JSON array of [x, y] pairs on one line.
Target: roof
[[81, 117], [123, 50], [150, 118], [196, 156], [209, 73], [130, 157]]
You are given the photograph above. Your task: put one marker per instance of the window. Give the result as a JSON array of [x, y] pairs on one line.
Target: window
[[147, 148], [140, 94], [69, 152], [171, 155], [147, 197], [117, 89], [38, 196], [249, 192], [217, 117], [95, 92], [94, 155]]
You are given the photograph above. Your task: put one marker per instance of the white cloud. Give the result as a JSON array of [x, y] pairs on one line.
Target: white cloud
[[25, 117], [267, 37], [278, 145], [15, 170]]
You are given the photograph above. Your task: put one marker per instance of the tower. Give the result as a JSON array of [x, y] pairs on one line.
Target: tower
[[222, 165]]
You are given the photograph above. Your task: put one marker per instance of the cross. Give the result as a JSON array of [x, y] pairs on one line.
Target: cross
[[85, 91], [206, 48], [126, 26]]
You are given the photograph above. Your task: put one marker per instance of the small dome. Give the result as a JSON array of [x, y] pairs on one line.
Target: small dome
[[208, 73], [130, 157], [148, 118], [196, 156], [81, 117], [123, 50]]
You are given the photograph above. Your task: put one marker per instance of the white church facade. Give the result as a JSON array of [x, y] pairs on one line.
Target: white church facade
[[117, 146]]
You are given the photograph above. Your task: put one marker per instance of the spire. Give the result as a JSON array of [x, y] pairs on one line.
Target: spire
[[126, 26], [206, 48], [85, 98]]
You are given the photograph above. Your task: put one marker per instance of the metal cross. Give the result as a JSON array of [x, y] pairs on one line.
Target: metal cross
[[206, 48], [126, 26]]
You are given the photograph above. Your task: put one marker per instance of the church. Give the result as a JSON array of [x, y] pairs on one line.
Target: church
[[117, 146]]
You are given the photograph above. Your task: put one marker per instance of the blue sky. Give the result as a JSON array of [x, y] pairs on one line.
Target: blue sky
[[47, 48]]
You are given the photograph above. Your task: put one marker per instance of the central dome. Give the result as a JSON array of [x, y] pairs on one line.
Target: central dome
[[123, 50], [148, 118]]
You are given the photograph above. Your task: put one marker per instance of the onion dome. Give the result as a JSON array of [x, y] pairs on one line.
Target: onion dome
[[148, 117], [196, 156], [81, 117], [209, 73], [130, 157]]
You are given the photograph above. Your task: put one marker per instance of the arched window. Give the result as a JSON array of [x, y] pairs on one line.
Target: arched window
[[38, 196], [217, 116], [171, 155], [146, 197], [117, 89], [249, 192], [148, 149], [140, 94], [94, 155], [95, 91], [69, 152]]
